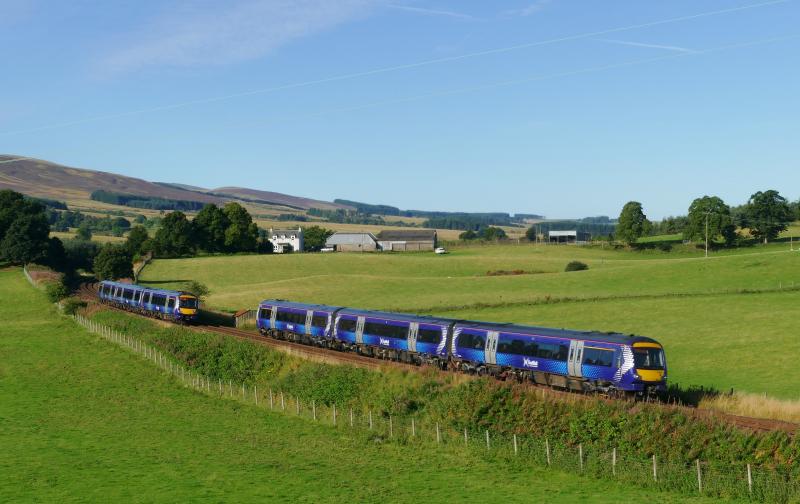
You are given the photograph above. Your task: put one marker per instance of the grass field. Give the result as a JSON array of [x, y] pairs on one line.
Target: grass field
[[83, 420], [680, 298]]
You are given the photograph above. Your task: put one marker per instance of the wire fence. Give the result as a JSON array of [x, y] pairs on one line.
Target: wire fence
[[699, 478]]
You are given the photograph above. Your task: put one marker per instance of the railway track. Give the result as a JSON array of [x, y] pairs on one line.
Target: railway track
[[88, 292]]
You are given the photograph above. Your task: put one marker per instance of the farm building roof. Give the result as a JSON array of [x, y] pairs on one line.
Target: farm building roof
[[350, 239], [407, 235]]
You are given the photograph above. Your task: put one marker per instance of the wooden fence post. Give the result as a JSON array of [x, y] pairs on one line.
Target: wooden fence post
[[334, 414], [487, 439], [466, 439], [314, 408], [614, 462], [391, 430], [749, 480], [547, 450], [297, 406], [283, 402], [655, 470], [271, 400], [580, 455], [413, 428], [438, 434], [699, 477], [351, 416], [255, 393], [370, 419], [515, 445]]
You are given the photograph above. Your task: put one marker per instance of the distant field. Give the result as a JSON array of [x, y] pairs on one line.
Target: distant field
[[714, 335], [86, 421], [95, 237]]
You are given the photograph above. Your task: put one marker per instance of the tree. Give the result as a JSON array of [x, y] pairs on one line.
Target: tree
[[468, 235], [113, 262], [720, 224], [632, 223], [768, 214], [84, 232], [81, 254], [136, 239], [532, 233], [26, 239], [12, 205], [198, 289], [491, 233], [210, 225], [314, 238], [242, 233], [175, 238]]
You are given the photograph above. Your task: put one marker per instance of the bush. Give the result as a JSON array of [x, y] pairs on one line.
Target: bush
[[72, 305], [56, 291], [576, 266]]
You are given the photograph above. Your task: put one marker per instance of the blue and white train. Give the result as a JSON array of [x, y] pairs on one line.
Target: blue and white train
[[575, 360], [169, 305]]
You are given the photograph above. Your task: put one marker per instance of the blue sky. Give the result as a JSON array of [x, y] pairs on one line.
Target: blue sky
[[563, 107]]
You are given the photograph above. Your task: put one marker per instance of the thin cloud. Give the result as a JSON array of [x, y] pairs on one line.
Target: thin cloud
[[222, 33], [651, 46], [431, 12], [529, 10]]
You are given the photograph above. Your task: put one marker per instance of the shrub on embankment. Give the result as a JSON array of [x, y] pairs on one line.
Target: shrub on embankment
[[634, 429]]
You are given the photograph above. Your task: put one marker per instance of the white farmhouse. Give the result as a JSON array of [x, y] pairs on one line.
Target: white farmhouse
[[286, 240]]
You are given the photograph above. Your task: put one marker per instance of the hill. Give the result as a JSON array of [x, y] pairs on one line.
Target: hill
[[45, 179]]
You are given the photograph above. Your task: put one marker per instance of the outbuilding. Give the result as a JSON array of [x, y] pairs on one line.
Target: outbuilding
[[405, 240], [352, 242], [568, 236]]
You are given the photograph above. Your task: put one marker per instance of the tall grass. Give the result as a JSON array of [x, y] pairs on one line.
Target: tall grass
[[753, 405]]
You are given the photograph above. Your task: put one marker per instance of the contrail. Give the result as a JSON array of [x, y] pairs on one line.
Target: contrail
[[399, 67], [651, 46]]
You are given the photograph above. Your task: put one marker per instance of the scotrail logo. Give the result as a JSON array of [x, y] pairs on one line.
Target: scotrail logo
[[385, 342], [530, 363]]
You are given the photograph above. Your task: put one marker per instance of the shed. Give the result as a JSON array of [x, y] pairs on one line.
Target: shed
[[568, 236], [352, 242], [407, 240]]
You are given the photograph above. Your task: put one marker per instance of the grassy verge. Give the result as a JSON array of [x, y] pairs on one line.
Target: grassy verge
[[83, 420], [474, 408]]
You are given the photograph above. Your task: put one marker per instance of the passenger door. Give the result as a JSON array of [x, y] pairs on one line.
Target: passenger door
[[309, 316], [491, 347], [272, 317], [413, 330], [360, 330], [575, 359]]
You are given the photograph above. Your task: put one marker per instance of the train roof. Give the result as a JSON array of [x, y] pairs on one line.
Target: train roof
[[425, 319], [300, 306], [152, 289], [618, 338]]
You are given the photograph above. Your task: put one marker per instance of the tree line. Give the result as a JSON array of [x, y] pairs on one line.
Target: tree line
[[765, 215]]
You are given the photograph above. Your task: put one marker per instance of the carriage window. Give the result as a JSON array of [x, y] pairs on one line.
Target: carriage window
[[291, 318], [471, 341], [127, 294], [265, 313], [159, 300], [171, 303], [429, 335], [598, 356], [347, 325], [552, 351], [319, 321], [386, 330], [517, 347]]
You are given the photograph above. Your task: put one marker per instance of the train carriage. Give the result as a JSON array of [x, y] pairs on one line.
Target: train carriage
[[576, 360], [171, 305]]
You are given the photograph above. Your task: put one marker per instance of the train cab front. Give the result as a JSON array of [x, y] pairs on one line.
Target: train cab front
[[188, 307], [649, 367]]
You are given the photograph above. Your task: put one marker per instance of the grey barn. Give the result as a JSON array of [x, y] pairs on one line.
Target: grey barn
[[403, 240], [352, 242]]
